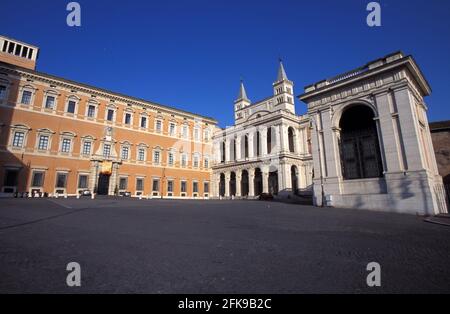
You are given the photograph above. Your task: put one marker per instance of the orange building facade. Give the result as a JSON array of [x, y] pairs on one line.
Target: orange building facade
[[60, 137]]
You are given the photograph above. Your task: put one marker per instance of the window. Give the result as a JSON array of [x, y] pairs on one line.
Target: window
[[127, 119], [87, 146], [144, 122], [155, 185], [37, 180], [71, 106], [125, 151], [83, 181], [91, 111], [206, 187], [26, 97], [158, 126], [139, 184], [183, 186], [172, 129], [141, 154], [18, 139], [43, 142], [170, 159], [196, 134], [183, 160], [206, 162], [196, 158], [170, 186], [11, 47], [2, 92], [195, 187], [156, 156], [61, 180], [65, 145], [206, 135], [24, 52], [106, 150], [123, 183], [110, 115], [50, 102], [185, 131]]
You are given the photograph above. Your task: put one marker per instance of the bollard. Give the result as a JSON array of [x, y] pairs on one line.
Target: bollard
[[93, 196], [56, 195], [78, 196], [140, 196], [65, 195]]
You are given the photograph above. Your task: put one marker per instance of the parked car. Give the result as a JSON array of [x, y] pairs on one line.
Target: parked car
[[85, 193], [125, 194]]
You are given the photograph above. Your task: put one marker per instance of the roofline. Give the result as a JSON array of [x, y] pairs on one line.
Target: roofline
[[426, 86], [106, 91], [20, 42]]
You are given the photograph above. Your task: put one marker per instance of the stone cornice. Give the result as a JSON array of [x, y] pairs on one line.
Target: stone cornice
[[91, 90]]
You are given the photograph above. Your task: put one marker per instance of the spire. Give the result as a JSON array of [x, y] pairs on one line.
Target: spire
[[281, 73], [242, 94]]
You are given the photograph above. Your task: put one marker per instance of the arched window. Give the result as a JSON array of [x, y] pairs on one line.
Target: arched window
[[246, 146], [360, 149], [222, 155], [258, 149], [269, 140], [291, 139]]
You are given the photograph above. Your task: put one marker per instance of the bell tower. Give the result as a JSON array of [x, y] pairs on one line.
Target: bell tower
[[240, 103], [283, 91]]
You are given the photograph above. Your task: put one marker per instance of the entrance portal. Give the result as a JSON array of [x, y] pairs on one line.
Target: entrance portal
[[103, 184]]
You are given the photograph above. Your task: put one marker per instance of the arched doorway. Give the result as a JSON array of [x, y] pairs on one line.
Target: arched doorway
[[233, 184], [294, 179], [258, 182], [291, 138], [244, 183], [222, 185], [360, 149], [273, 182]]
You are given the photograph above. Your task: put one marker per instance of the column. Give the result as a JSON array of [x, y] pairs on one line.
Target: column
[[263, 141], [265, 179], [251, 182], [238, 148], [227, 184], [113, 179], [93, 177], [277, 139], [284, 137], [217, 149], [238, 183], [287, 179], [251, 145], [227, 150], [297, 142]]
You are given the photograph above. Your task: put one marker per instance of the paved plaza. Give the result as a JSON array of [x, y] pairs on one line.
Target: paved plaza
[[183, 246]]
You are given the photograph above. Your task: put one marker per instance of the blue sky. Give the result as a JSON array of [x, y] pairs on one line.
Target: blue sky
[[191, 54]]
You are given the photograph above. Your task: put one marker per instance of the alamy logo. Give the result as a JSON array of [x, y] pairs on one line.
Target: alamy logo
[[374, 17], [74, 277], [74, 17], [374, 277]]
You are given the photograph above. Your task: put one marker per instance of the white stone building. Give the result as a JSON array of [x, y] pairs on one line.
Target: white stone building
[[267, 150], [371, 142]]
